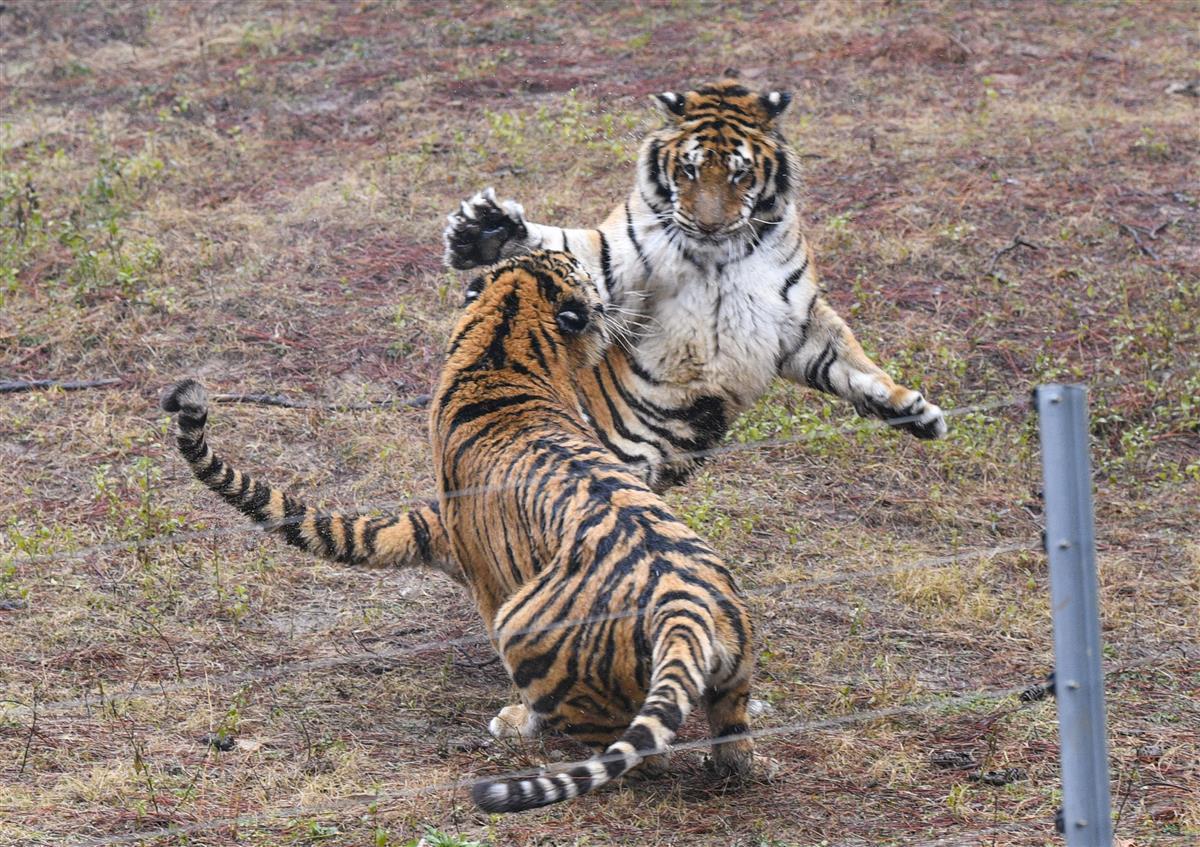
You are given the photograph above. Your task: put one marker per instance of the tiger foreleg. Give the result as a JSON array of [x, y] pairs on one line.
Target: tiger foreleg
[[516, 721], [829, 358]]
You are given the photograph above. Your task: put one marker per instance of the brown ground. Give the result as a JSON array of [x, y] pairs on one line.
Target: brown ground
[[254, 193]]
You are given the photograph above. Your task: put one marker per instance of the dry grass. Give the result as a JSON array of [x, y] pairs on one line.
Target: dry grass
[[253, 193]]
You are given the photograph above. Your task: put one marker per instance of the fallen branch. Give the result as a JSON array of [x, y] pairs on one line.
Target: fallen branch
[[1154, 233], [418, 401], [1137, 238], [17, 385], [1017, 242]]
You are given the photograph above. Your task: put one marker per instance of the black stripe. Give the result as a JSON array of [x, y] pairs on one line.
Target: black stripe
[[420, 532], [605, 263], [192, 450], [640, 737], [294, 513], [256, 502], [783, 177], [633, 238], [655, 173], [640, 372], [189, 423], [668, 714], [324, 526], [473, 411], [793, 278], [810, 373], [214, 467], [823, 377]]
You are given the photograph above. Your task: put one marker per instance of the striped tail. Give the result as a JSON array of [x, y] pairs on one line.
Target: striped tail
[[675, 686], [416, 538]]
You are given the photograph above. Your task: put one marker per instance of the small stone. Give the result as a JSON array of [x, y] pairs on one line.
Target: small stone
[[759, 708], [467, 744], [1000, 777], [957, 759], [218, 741], [1149, 753]]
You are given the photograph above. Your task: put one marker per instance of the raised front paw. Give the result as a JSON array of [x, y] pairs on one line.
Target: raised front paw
[[477, 233]]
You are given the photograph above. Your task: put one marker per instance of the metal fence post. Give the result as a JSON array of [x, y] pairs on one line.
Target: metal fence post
[[1074, 602]]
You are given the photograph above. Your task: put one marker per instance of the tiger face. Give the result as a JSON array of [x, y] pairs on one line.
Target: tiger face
[[556, 295], [720, 164]]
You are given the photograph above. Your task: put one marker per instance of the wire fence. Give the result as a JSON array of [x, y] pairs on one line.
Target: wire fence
[[377, 799], [1019, 696], [1020, 399], [387, 655], [958, 700], [393, 507]]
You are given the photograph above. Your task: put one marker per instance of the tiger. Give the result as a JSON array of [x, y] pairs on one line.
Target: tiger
[[611, 616], [551, 527], [711, 285]]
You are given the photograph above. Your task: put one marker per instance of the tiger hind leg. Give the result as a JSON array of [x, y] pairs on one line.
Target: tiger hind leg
[[728, 716]]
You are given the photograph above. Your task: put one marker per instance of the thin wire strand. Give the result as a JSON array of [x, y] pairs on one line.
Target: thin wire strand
[[395, 506], [1021, 398], [327, 662], [947, 701], [818, 725]]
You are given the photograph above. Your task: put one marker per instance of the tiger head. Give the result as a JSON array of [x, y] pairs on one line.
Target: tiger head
[[720, 163], [547, 305]]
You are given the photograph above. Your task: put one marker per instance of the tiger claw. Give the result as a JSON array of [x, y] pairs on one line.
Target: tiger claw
[[481, 228]]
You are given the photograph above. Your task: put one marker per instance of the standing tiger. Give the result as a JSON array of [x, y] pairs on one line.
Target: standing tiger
[[707, 265], [612, 617], [550, 527]]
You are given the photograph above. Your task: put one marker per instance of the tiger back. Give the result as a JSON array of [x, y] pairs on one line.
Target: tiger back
[[612, 617]]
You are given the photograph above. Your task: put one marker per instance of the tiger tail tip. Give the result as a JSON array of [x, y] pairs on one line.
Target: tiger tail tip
[[188, 398]]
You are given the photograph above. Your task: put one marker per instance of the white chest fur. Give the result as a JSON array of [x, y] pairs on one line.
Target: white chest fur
[[715, 328]]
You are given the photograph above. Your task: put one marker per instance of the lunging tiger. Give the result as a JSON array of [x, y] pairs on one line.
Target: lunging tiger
[[612, 617], [707, 266]]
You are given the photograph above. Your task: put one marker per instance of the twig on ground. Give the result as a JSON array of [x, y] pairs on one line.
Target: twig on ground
[[477, 665], [1017, 241], [16, 385], [32, 731], [418, 401], [1136, 232], [1154, 233]]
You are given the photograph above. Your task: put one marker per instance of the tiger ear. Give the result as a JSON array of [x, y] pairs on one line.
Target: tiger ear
[[671, 103], [774, 103], [474, 289]]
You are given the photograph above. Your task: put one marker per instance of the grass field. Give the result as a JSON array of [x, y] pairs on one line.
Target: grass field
[[253, 194]]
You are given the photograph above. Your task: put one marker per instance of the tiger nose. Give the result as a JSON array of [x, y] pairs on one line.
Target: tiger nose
[[708, 215]]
